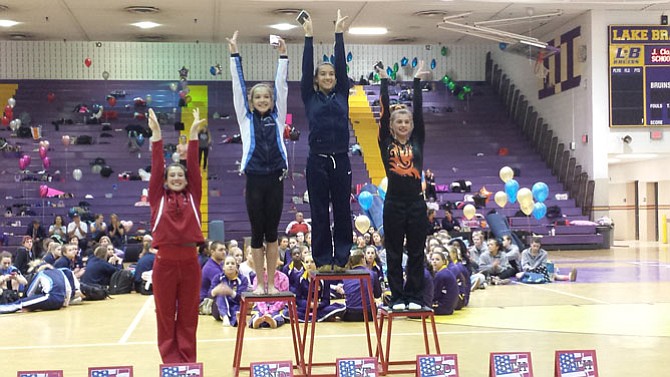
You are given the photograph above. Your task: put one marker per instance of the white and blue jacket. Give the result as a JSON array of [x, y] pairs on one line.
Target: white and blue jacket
[[263, 149]]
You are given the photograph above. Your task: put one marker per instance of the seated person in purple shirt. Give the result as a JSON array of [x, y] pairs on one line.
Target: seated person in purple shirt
[[213, 267]]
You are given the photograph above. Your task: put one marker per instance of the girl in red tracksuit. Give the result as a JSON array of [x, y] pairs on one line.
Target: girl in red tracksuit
[[174, 196]]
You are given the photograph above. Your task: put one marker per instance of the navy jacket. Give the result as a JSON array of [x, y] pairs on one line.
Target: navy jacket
[[328, 115]]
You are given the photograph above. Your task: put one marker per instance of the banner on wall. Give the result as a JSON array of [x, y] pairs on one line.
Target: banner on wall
[[639, 66]]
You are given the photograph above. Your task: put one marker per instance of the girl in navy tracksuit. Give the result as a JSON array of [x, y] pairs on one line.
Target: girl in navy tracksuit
[[50, 289], [229, 286], [325, 93], [174, 195], [261, 117], [445, 296], [325, 309], [401, 140]]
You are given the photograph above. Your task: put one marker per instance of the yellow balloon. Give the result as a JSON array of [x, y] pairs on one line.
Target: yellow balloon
[[501, 199], [362, 223], [527, 208], [469, 211], [384, 184], [506, 173], [524, 196]]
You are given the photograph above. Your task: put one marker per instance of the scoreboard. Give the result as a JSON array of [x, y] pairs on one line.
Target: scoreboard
[[639, 67]]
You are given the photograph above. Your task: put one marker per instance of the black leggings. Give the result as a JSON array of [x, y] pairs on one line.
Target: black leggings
[[265, 201], [204, 154]]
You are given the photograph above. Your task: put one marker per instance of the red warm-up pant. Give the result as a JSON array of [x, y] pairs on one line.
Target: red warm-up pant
[[176, 286]]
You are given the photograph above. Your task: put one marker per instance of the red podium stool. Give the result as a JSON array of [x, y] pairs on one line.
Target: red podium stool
[[246, 303], [386, 312], [367, 299]]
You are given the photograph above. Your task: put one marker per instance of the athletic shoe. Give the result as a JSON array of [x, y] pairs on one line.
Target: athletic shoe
[[339, 269], [257, 322], [326, 268], [502, 281], [475, 285], [205, 307], [270, 321], [414, 306], [573, 274], [399, 306]]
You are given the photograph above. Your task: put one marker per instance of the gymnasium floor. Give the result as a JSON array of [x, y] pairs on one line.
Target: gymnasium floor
[[620, 306]]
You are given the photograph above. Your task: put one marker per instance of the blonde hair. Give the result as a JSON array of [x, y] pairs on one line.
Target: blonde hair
[[258, 86]]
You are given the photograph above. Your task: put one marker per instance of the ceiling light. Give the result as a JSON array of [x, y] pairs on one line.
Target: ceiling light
[[8, 23], [532, 43], [368, 30], [146, 24], [283, 26], [637, 156]]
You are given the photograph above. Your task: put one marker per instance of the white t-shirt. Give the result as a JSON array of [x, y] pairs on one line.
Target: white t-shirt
[[73, 226]]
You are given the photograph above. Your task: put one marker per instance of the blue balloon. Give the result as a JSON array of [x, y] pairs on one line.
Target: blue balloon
[[389, 71], [212, 70], [433, 64], [539, 210], [404, 61], [376, 213], [325, 58], [502, 45], [365, 200], [415, 61], [540, 191], [140, 139], [332, 59], [350, 56], [511, 189]]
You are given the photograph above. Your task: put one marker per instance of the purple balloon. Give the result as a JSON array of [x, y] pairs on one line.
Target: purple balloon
[[22, 163], [43, 152], [46, 162]]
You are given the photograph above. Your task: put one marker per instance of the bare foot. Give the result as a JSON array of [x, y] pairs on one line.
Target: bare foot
[[259, 290], [272, 290]]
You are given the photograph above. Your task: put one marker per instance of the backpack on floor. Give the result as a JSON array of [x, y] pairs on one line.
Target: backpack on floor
[[121, 282], [94, 292]]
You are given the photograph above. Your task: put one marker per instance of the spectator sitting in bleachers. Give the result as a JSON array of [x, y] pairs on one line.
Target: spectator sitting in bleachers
[[38, 234], [433, 224], [79, 229], [58, 228], [116, 232], [24, 254], [298, 225], [98, 227], [100, 267], [449, 223]]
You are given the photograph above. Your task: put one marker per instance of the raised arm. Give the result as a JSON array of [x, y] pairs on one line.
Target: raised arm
[[193, 176], [419, 132], [342, 86], [240, 101], [157, 160], [281, 83], [385, 115], [307, 79]]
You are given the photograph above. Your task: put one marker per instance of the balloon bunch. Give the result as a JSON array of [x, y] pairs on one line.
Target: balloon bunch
[[371, 199], [8, 116], [184, 97], [460, 91], [216, 69], [44, 147], [531, 201]]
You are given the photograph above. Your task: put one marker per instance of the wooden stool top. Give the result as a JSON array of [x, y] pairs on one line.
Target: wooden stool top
[[423, 311], [280, 296], [348, 274]]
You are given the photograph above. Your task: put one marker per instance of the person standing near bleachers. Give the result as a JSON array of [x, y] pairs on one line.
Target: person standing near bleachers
[[262, 119], [325, 93], [175, 192], [401, 139]]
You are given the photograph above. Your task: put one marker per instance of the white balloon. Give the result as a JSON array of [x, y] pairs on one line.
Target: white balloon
[[11, 102], [77, 174], [175, 157]]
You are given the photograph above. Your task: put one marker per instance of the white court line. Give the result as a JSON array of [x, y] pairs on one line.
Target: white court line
[[136, 320], [232, 340], [538, 286]]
